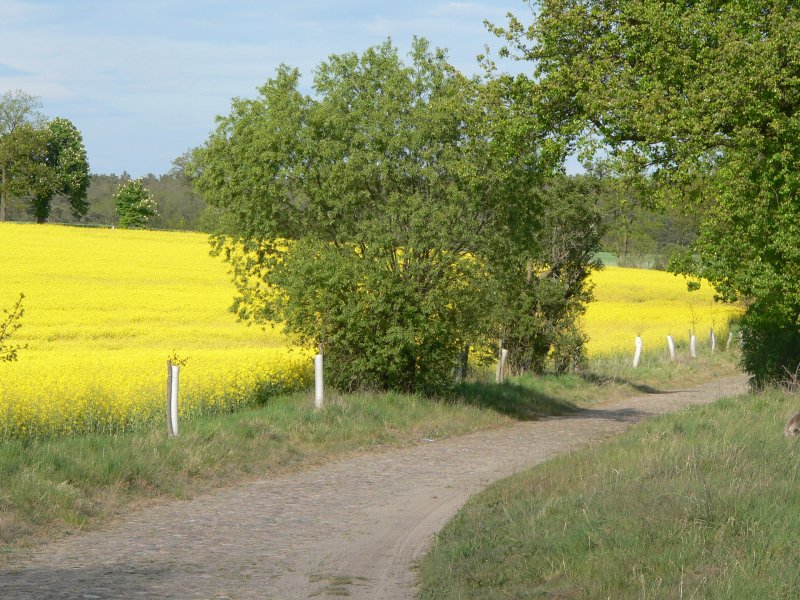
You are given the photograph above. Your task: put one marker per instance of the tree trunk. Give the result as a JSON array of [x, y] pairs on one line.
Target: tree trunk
[[625, 244], [41, 208], [3, 195]]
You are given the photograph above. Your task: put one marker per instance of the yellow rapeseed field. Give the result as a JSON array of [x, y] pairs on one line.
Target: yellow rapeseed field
[[653, 305], [104, 309]]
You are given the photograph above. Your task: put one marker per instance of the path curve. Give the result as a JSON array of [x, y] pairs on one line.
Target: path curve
[[353, 527]]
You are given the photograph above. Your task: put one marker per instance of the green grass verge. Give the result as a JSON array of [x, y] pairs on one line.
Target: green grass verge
[[54, 486], [64, 484], [699, 504]]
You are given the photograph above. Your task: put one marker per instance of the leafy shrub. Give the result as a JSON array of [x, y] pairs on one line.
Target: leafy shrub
[[135, 205], [771, 344]]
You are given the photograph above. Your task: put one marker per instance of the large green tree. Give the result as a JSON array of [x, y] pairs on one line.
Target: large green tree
[[39, 159], [363, 217], [702, 96], [67, 171], [21, 144]]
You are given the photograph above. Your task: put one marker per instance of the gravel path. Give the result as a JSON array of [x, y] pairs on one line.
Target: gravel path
[[353, 527]]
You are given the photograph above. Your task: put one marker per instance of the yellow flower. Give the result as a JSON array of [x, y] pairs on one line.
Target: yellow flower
[[105, 308]]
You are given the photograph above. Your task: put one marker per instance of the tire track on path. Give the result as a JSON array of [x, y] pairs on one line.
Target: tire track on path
[[354, 526]]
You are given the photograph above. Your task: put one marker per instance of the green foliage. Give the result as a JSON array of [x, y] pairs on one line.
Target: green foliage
[[769, 342], [178, 207], [703, 97], [8, 325], [366, 218], [22, 166], [21, 145], [18, 108], [640, 229], [134, 204], [39, 160], [543, 294], [68, 171]]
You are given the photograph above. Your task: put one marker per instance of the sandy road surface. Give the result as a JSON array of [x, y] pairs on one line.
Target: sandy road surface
[[353, 527]]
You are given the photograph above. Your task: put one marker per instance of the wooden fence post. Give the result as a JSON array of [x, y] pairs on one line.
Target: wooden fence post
[[498, 376]]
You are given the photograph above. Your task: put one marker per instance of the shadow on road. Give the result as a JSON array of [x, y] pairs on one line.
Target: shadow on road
[[596, 379], [524, 403], [514, 400]]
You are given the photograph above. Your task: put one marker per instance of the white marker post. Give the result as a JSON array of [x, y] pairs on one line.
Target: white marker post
[[637, 355], [318, 384], [712, 340], [693, 345], [173, 372], [671, 346]]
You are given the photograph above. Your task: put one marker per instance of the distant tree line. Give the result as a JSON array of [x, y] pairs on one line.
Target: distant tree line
[[44, 176], [177, 206], [47, 179], [641, 230], [638, 230]]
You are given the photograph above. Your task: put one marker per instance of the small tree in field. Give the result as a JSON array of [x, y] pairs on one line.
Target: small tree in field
[[135, 205], [9, 323]]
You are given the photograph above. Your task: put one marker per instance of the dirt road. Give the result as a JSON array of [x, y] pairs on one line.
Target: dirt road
[[353, 527]]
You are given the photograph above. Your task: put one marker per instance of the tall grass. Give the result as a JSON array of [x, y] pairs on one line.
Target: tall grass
[[700, 504]]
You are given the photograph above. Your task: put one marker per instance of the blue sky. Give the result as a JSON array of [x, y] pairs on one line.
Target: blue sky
[[143, 80]]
